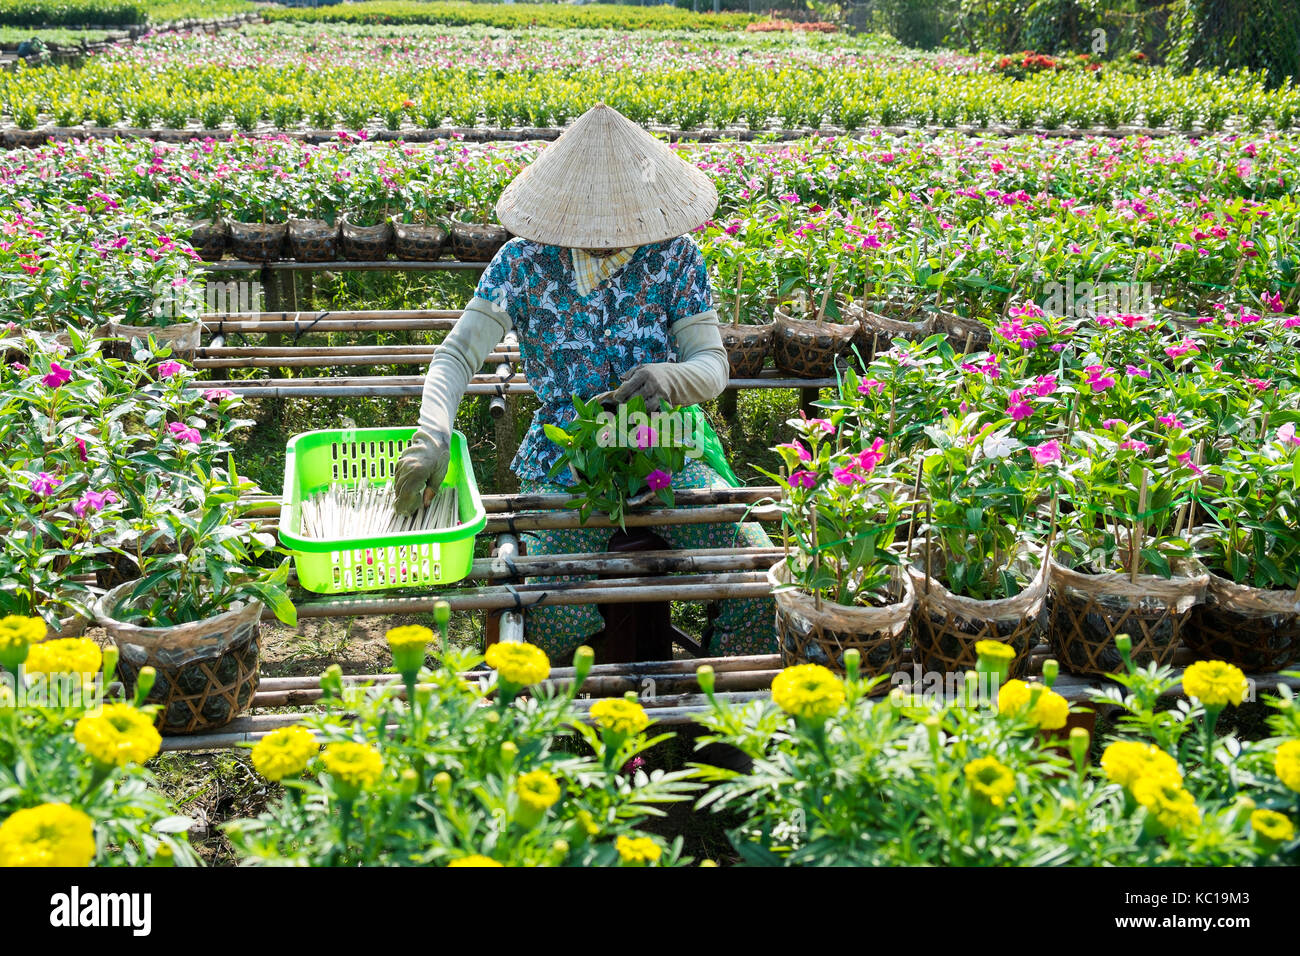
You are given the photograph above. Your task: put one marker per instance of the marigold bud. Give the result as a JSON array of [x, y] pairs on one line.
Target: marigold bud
[[1051, 670], [704, 677]]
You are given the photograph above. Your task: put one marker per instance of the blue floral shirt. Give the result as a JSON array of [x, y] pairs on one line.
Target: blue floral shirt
[[583, 345]]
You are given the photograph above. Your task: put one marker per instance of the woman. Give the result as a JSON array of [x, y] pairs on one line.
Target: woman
[[603, 290]]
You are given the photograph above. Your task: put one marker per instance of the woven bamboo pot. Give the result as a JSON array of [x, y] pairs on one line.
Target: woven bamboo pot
[[1086, 612], [477, 242], [419, 242], [879, 326], [810, 633], [208, 237], [948, 626], [366, 243], [182, 338], [1255, 629], [313, 240], [747, 348], [257, 241], [207, 670], [964, 333], [807, 348]]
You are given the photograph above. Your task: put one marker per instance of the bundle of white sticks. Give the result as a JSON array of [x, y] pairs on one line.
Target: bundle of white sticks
[[363, 512]]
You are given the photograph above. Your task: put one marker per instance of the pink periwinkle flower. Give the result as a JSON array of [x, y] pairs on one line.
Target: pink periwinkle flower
[[1134, 445], [168, 368], [871, 385], [1170, 421], [1018, 408], [658, 479], [869, 459], [1286, 434], [45, 483], [1134, 372], [217, 394], [802, 479], [93, 501], [645, 437], [58, 375], [1046, 453], [183, 432]]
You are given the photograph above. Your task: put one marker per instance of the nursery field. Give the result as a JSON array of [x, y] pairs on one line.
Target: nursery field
[[294, 77], [1014, 389]]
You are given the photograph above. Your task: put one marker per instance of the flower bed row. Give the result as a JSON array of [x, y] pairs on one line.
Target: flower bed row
[[684, 88], [1080, 228], [447, 767]]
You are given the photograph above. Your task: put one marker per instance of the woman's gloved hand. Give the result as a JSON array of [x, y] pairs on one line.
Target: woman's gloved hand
[[420, 470], [422, 465], [699, 374]]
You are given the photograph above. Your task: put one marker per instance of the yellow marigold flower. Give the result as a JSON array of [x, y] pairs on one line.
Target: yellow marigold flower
[[519, 663], [118, 736], [538, 790], [284, 752], [66, 655], [1127, 761], [53, 834], [1272, 826], [808, 691], [16, 635], [474, 859], [1013, 697], [408, 635], [638, 850], [1215, 684], [1166, 800], [995, 651], [620, 716], [990, 779], [354, 767], [1050, 709], [1286, 762]]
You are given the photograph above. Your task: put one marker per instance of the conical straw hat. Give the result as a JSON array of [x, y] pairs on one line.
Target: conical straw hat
[[605, 184]]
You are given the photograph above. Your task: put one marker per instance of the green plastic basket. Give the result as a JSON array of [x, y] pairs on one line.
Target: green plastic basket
[[349, 457]]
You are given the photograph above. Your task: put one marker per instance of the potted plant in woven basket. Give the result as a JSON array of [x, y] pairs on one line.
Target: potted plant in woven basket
[[418, 236], [365, 230], [979, 561], [172, 321], [194, 615], [842, 584], [747, 342], [258, 218], [1123, 564], [808, 342], [472, 191], [1250, 543]]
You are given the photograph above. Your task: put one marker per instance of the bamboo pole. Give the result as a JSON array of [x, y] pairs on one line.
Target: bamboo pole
[[1137, 529]]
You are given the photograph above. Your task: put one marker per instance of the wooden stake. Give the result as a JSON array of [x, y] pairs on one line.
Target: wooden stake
[[830, 279], [740, 278], [1137, 530]]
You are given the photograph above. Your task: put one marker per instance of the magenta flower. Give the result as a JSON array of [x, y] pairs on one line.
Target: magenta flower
[[93, 501], [1185, 347], [1100, 379], [217, 394], [1133, 371], [1170, 421], [45, 483], [846, 476], [183, 432], [1134, 445], [1019, 409], [1044, 385], [803, 453], [1112, 423], [168, 368], [1286, 434], [1186, 459], [1259, 383], [871, 385], [58, 375], [802, 479], [658, 479], [81, 448], [18, 367], [645, 437], [873, 456], [1046, 453]]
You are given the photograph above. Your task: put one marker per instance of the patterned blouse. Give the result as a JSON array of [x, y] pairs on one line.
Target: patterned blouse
[[583, 345]]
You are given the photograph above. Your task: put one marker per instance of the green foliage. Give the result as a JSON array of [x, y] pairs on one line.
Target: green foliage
[[515, 16], [1261, 35]]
